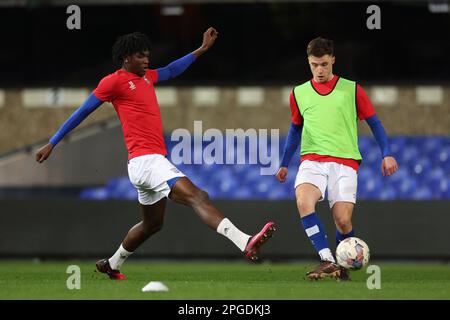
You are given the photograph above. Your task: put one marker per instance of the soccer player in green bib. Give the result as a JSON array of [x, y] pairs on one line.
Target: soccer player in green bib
[[325, 111]]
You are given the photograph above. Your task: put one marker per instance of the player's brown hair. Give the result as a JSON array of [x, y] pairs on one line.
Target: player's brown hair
[[319, 47]]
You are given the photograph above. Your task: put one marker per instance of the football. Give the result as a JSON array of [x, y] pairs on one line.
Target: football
[[352, 253]]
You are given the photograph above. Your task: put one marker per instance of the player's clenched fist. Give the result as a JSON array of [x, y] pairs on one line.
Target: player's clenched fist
[[44, 152], [209, 37]]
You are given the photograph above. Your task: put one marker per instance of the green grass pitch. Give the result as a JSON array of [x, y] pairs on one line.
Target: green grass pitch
[[212, 280]]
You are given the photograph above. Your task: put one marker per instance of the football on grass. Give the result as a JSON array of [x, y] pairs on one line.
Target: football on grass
[[352, 253]]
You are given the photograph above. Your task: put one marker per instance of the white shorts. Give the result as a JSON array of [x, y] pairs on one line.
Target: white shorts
[[340, 179], [149, 174]]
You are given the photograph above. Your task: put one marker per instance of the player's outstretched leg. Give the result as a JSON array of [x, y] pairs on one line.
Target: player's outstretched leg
[[152, 222], [185, 192]]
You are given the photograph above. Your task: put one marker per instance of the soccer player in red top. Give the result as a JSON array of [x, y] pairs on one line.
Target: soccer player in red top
[[130, 90], [324, 117]]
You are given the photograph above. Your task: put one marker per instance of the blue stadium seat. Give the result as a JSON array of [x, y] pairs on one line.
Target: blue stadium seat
[[94, 194], [432, 144], [371, 187], [397, 145], [442, 158], [279, 192], [437, 180], [421, 167], [446, 193], [408, 154], [367, 148], [388, 192], [120, 188], [242, 192], [424, 174], [422, 193], [407, 188]]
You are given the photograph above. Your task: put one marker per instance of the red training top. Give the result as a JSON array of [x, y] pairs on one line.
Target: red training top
[[364, 110], [135, 102]]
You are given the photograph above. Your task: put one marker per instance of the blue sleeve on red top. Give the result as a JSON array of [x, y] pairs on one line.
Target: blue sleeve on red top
[[292, 142], [175, 68], [380, 135], [91, 103]]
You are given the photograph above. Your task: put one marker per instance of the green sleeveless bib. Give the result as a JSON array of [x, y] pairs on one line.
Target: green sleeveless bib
[[329, 121]]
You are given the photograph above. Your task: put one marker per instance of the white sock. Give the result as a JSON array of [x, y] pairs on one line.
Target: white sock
[[326, 255], [118, 258], [227, 228]]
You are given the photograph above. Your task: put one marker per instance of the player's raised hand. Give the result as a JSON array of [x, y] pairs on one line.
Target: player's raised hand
[[209, 37], [389, 166], [281, 174], [44, 152]]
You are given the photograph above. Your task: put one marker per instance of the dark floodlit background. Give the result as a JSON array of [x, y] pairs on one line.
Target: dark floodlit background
[[260, 42]]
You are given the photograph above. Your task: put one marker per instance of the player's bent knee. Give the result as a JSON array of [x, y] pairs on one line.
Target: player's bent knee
[[195, 196], [305, 206], [201, 196], [343, 223]]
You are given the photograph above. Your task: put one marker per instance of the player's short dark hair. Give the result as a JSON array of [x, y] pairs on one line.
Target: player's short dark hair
[[319, 47], [129, 44]]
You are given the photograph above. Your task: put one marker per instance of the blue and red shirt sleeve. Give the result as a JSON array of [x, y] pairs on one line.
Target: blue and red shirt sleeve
[[364, 107], [294, 133], [88, 106], [106, 89], [296, 117], [175, 68], [366, 111]]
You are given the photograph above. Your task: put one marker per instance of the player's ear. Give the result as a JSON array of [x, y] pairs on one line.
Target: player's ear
[[333, 59]]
